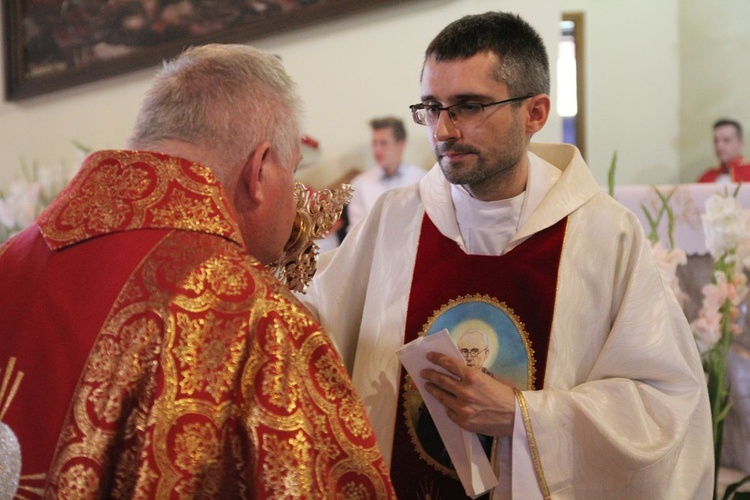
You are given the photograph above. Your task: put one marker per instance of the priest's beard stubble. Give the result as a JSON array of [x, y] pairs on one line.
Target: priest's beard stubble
[[492, 167]]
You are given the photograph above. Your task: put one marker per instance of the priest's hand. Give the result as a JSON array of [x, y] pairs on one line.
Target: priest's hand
[[474, 400]]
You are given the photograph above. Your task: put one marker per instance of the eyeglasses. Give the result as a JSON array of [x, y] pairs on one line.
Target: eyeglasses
[[464, 113], [466, 353]]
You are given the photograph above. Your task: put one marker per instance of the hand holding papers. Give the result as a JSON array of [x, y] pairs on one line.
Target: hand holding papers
[[473, 467]]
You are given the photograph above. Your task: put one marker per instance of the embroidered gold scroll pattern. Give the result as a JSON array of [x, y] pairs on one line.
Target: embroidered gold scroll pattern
[[118, 190], [288, 474], [325, 444], [205, 174], [353, 491], [335, 387], [330, 378], [117, 361], [280, 383], [128, 484], [129, 347], [193, 445], [221, 273], [78, 481], [354, 417], [296, 321], [118, 383], [105, 201], [179, 176], [207, 355], [194, 214], [276, 361]]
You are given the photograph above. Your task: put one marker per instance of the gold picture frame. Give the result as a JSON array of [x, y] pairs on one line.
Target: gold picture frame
[[56, 44]]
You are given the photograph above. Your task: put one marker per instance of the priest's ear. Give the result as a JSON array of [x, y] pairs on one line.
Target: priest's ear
[[538, 112], [255, 171]]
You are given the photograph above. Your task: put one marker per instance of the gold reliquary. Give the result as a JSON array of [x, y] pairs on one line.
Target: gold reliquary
[[317, 212]]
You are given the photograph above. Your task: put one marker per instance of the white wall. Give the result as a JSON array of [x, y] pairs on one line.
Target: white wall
[[659, 73], [632, 82], [715, 77], [348, 71]]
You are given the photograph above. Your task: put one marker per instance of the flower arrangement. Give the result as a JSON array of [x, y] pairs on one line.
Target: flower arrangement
[[23, 200], [727, 229], [668, 258]]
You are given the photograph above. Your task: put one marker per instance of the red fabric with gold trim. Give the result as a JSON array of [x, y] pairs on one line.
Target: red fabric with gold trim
[[53, 304], [525, 279], [122, 190], [738, 171], [205, 376]]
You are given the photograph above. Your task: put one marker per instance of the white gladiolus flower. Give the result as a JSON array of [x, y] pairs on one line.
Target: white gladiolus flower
[[726, 226], [23, 200]]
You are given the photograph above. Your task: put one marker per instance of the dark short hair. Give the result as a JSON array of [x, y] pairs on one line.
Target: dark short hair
[[524, 64], [729, 122], [391, 122]]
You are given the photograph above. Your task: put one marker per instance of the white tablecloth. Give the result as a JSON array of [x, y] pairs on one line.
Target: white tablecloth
[[688, 203]]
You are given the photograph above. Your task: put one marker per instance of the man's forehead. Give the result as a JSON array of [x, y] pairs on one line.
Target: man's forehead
[[460, 78], [726, 130], [485, 60], [383, 133], [471, 335]]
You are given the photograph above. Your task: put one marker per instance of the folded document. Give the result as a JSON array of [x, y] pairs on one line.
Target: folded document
[[471, 463]]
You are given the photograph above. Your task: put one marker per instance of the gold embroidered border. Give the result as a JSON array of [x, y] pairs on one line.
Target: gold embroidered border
[[532, 443], [409, 392]]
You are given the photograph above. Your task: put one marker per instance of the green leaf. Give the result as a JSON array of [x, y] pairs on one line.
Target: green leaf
[[611, 174], [653, 224], [731, 491], [85, 149]]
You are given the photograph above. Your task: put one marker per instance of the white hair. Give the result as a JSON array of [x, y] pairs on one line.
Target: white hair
[[224, 98]]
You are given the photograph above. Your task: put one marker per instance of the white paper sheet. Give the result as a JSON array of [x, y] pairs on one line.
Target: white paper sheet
[[471, 463]]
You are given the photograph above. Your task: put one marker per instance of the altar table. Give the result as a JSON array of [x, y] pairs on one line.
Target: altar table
[[688, 202]]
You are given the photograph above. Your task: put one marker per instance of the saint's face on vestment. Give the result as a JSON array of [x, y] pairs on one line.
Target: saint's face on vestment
[[478, 325], [474, 347]]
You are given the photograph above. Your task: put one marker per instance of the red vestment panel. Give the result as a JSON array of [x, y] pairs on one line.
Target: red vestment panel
[[498, 310]]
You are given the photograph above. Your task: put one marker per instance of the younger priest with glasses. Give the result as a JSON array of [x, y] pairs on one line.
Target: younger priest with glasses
[[598, 390]]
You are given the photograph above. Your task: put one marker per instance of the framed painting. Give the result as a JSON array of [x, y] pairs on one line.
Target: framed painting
[[56, 44]]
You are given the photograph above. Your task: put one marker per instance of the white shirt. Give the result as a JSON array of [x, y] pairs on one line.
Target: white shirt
[[371, 184]]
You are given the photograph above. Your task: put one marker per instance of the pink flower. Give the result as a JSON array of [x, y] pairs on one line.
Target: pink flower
[[667, 262]]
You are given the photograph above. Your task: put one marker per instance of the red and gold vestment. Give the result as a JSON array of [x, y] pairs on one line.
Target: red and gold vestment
[[160, 359]]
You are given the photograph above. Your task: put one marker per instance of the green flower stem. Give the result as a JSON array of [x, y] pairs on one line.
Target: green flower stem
[[715, 366], [655, 220]]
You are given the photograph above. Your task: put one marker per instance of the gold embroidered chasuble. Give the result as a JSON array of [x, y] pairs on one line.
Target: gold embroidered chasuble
[[204, 377]]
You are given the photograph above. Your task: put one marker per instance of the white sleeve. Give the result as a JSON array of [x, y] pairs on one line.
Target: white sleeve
[[623, 412]]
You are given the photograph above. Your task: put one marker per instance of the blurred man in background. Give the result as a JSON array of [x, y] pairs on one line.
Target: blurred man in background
[[388, 143], [728, 144]]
